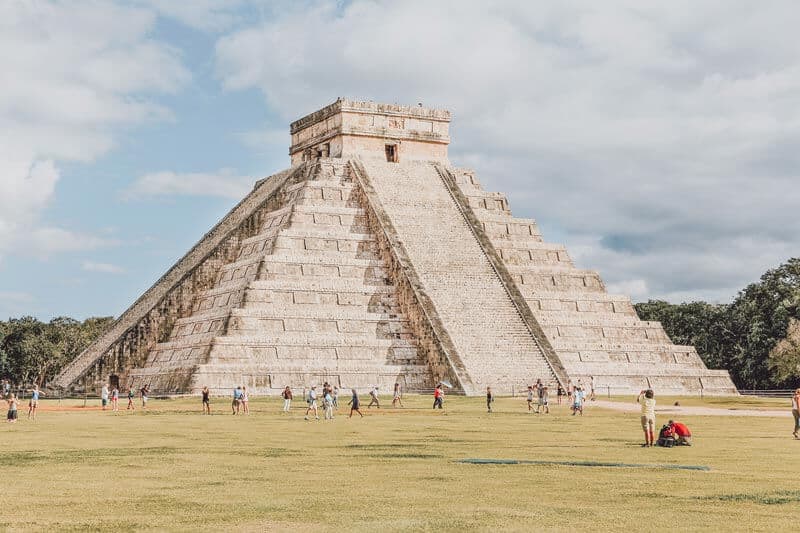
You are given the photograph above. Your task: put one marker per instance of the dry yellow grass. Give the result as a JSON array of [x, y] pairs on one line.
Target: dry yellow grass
[[173, 469]]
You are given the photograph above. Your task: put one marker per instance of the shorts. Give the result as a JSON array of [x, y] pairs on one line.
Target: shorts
[[312, 404], [12, 415], [648, 422], [205, 400], [33, 403], [105, 401]]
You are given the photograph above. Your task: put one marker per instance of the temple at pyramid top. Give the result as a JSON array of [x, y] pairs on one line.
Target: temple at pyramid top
[[370, 130]]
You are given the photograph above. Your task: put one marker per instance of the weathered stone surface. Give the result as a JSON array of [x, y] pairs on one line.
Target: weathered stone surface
[[373, 261]]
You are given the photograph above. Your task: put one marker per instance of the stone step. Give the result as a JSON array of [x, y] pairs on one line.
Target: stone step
[[309, 284], [334, 312]]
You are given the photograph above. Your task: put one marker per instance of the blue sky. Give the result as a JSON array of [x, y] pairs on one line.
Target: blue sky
[[659, 144]]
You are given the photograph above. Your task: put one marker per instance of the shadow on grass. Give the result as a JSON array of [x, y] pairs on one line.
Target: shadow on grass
[[770, 498]]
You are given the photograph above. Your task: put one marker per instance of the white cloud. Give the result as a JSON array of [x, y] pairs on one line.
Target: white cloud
[[662, 139], [224, 183], [106, 268], [205, 15], [72, 72]]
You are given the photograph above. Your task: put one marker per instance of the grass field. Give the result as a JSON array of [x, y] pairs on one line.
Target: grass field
[[171, 468]]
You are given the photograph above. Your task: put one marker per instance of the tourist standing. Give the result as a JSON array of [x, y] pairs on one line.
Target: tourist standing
[[570, 390], [245, 400], [206, 400], [396, 396], [539, 396], [145, 391], [11, 416], [489, 399], [237, 400], [648, 403], [354, 404], [530, 398], [796, 413], [592, 395], [559, 393], [287, 399], [577, 401], [115, 399], [104, 396], [438, 396], [544, 401], [373, 398], [34, 403], [328, 403], [312, 403], [130, 399], [336, 397]]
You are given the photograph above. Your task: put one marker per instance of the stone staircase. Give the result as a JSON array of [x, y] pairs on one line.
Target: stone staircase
[[594, 333], [493, 342], [306, 300]]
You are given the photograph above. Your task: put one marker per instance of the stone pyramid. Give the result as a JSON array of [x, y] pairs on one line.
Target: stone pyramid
[[373, 261]]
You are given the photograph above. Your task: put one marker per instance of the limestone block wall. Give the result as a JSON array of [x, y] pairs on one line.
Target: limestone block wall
[[594, 333], [127, 342]]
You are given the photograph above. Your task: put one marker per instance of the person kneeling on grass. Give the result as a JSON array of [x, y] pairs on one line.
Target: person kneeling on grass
[[681, 433]]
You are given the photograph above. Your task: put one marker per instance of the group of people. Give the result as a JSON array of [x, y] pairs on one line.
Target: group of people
[[13, 402], [673, 433]]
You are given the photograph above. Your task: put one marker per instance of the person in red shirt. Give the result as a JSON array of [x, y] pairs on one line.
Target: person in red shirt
[[683, 436], [438, 396]]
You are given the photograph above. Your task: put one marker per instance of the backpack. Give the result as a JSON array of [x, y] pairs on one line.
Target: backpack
[[666, 437]]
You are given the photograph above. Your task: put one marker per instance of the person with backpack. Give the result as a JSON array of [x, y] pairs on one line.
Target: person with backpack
[[648, 403], [681, 433]]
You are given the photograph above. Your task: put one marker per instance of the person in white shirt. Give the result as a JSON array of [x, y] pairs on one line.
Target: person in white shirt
[[648, 402], [796, 413]]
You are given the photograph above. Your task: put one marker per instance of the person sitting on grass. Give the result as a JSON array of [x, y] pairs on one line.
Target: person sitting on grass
[[354, 404], [683, 437], [648, 402]]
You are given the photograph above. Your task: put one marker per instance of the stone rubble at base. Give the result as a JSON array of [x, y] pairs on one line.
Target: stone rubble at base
[[374, 261]]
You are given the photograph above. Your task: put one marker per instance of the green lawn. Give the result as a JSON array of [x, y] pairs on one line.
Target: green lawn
[[171, 468]]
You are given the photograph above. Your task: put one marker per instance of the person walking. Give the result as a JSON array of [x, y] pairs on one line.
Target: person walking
[[145, 393], [438, 396], [489, 399], [328, 403], [796, 413], [544, 401], [115, 399], [33, 404], [592, 395], [237, 400], [648, 403], [559, 393], [396, 396], [577, 401], [104, 396], [373, 398], [539, 396], [131, 395], [287, 399], [530, 398], [206, 400], [312, 403], [245, 401], [13, 405], [354, 404]]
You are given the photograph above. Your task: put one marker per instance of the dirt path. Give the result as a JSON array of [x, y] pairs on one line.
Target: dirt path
[[692, 410]]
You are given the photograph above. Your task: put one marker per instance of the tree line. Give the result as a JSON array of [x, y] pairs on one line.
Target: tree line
[[32, 352], [756, 337]]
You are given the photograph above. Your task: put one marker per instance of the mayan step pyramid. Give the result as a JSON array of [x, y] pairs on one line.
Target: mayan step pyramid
[[373, 261]]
